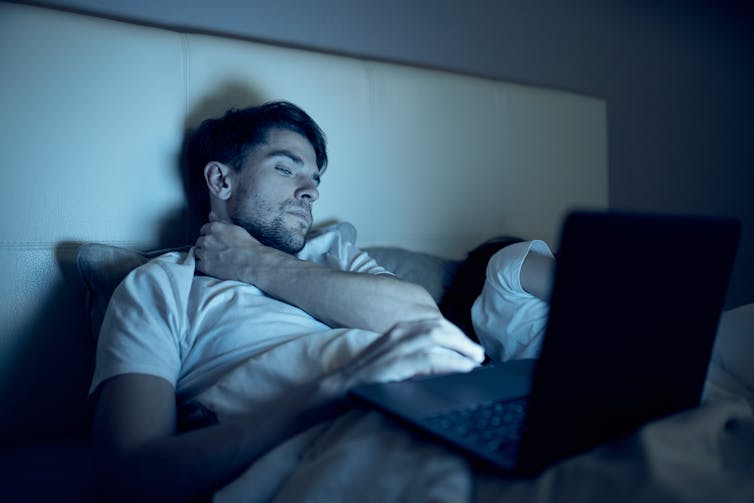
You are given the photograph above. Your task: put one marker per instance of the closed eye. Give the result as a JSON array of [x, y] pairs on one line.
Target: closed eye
[[283, 170]]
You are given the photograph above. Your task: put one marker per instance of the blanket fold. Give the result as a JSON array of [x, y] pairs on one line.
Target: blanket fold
[[704, 454]]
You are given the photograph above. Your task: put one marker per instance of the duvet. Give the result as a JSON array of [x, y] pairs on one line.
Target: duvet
[[704, 454]]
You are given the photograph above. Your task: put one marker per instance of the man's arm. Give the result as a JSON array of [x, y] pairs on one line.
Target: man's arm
[[140, 456], [337, 298]]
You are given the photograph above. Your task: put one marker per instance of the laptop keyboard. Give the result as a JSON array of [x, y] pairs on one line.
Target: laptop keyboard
[[495, 427]]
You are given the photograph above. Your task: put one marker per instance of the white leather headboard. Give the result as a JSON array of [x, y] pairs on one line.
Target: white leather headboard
[[92, 116]]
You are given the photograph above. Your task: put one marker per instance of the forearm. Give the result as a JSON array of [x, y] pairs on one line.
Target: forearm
[[336, 297], [341, 298], [536, 275], [182, 467]]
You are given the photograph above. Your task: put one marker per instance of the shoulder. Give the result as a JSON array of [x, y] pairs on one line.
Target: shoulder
[[171, 272], [146, 321]]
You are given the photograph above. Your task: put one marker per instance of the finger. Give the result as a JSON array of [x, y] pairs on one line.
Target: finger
[[403, 328], [205, 229], [419, 363], [440, 332], [394, 345], [441, 361], [212, 229], [420, 339], [205, 243], [438, 359], [198, 252], [450, 336]]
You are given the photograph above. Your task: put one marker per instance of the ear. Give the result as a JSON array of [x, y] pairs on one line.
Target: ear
[[219, 179]]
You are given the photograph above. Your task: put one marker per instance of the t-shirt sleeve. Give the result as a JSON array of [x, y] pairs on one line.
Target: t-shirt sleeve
[[509, 321], [141, 329]]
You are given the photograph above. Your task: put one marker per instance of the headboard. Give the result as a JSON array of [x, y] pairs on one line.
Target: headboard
[[94, 112]]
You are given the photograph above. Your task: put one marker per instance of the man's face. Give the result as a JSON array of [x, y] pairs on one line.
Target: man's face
[[275, 189]]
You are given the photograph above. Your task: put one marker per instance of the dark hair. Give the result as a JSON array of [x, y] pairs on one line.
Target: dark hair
[[468, 281], [230, 138]]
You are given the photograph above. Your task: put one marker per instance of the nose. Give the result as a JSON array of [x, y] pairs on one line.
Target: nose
[[307, 191]]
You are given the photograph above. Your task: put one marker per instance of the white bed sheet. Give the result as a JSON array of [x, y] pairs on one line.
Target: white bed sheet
[[705, 454]]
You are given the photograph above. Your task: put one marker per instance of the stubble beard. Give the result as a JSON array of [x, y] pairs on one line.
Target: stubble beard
[[274, 234]]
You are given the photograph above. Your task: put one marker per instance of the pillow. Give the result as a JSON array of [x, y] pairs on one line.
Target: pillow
[[468, 281], [102, 268], [430, 271]]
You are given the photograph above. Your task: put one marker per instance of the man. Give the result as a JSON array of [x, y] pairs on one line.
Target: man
[[251, 283]]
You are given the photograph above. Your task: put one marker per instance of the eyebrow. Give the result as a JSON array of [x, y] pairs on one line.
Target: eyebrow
[[286, 153]]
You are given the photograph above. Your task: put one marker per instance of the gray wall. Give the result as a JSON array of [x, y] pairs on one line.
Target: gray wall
[[678, 76]]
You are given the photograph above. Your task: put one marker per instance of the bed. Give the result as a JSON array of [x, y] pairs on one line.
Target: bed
[[95, 111], [702, 454]]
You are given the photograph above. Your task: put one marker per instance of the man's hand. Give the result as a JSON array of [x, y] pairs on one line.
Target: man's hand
[[337, 298], [419, 347], [227, 251]]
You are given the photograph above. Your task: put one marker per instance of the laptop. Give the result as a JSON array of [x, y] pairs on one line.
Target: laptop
[[634, 309]]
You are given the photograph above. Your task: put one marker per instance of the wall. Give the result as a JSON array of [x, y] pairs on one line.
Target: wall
[[676, 75], [91, 132]]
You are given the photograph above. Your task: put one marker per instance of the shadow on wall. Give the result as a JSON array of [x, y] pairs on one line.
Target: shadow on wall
[[50, 370], [229, 95], [52, 365]]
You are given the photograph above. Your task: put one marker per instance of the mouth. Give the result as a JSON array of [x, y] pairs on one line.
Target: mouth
[[302, 214]]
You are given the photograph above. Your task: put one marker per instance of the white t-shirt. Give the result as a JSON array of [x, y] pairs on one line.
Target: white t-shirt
[[165, 321], [509, 321]]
